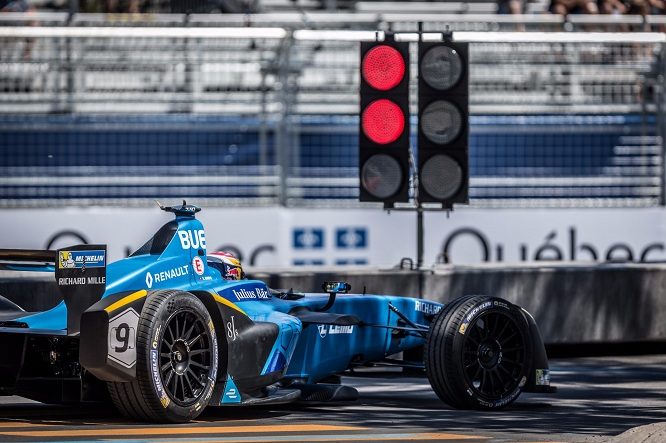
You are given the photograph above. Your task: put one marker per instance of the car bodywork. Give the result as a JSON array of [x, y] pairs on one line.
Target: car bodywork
[[266, 339]]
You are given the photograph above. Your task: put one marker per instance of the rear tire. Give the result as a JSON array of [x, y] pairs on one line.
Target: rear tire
[[177, 360], [478, 353]]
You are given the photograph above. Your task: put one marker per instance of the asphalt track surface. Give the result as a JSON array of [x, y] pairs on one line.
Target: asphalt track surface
[[597, 399]]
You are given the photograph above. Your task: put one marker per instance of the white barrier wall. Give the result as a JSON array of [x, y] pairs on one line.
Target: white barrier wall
[[287, 237], [517, 235]]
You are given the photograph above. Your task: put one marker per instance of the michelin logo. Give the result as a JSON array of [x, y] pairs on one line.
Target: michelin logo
[[160, 277], [81, 259]]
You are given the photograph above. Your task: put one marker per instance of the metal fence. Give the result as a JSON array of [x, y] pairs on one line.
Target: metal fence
[[94, 111]]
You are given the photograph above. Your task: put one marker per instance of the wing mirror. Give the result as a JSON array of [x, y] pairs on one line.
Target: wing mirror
[[333, 288]]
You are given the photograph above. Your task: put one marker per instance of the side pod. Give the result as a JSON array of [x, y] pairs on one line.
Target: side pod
[[108, 336]]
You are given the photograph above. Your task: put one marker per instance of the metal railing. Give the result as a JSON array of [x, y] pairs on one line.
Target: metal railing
[[95, 111]]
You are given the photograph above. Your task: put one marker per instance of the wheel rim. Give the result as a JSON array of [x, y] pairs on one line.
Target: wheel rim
[[493, 355], [185, 357]]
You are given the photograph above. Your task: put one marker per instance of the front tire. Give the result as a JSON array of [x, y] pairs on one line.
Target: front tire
[[478, 353], [177, 360]]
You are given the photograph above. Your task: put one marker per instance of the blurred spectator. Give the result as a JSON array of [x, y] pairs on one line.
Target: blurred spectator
[[646, 7], [510, 6], [122, 6], [14, 6], [615, 7], [20, 6], [566, 7]]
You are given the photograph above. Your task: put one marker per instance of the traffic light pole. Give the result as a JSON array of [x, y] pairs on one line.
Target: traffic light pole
[[419, 209], [419, 237]]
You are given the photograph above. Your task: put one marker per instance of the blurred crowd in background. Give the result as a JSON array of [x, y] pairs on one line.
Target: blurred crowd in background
[[562, 7], [639, 7], [132, 6], [566, 7]]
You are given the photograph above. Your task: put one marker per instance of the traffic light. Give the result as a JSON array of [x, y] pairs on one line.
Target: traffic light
[[384, 122], [443, 122]]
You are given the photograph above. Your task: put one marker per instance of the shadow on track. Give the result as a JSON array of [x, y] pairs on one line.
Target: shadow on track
[[597, 396]]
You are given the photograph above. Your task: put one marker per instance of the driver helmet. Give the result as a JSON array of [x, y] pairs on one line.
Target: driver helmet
[[228, 265]]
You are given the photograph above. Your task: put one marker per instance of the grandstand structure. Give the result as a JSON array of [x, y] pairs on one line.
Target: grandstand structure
[[262, 109]]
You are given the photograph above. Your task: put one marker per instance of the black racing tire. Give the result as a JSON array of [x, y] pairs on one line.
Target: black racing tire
[[478, 353], [177, 359]]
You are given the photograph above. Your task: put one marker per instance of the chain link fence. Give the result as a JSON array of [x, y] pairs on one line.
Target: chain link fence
[[97, 112]]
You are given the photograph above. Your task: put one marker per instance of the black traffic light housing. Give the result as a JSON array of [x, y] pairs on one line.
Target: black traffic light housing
[[384, 122], [443, 129]]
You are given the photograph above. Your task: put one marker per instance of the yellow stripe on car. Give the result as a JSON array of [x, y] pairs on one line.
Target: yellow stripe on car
[[126, 300], [226, 302]]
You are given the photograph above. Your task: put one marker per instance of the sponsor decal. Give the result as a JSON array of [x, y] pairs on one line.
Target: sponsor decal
[[543, 377], [198, 265], [309, 262], [325, 330], [213, 372], [122, 338], [472, 314], [570, 247], [351, 238], [251, 294], [163, 276], [308, 238], [427, 307], [81, 259], [349, 245], [502, 402], [156, 336], [335, 329], [71, 281], [232, 332], [233, 273], [351, 261], [206, 397], [231, 394], [157, 379], [192, 239], [500, 304]]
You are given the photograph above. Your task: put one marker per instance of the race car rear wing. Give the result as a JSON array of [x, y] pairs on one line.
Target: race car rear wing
[[27, 255], [80, 273]]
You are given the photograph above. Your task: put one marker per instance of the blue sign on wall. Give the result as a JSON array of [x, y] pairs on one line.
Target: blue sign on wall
[[308, 238], [351, 238]]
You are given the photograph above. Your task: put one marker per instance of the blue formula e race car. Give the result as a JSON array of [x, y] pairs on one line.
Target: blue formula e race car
[[170, 330]]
